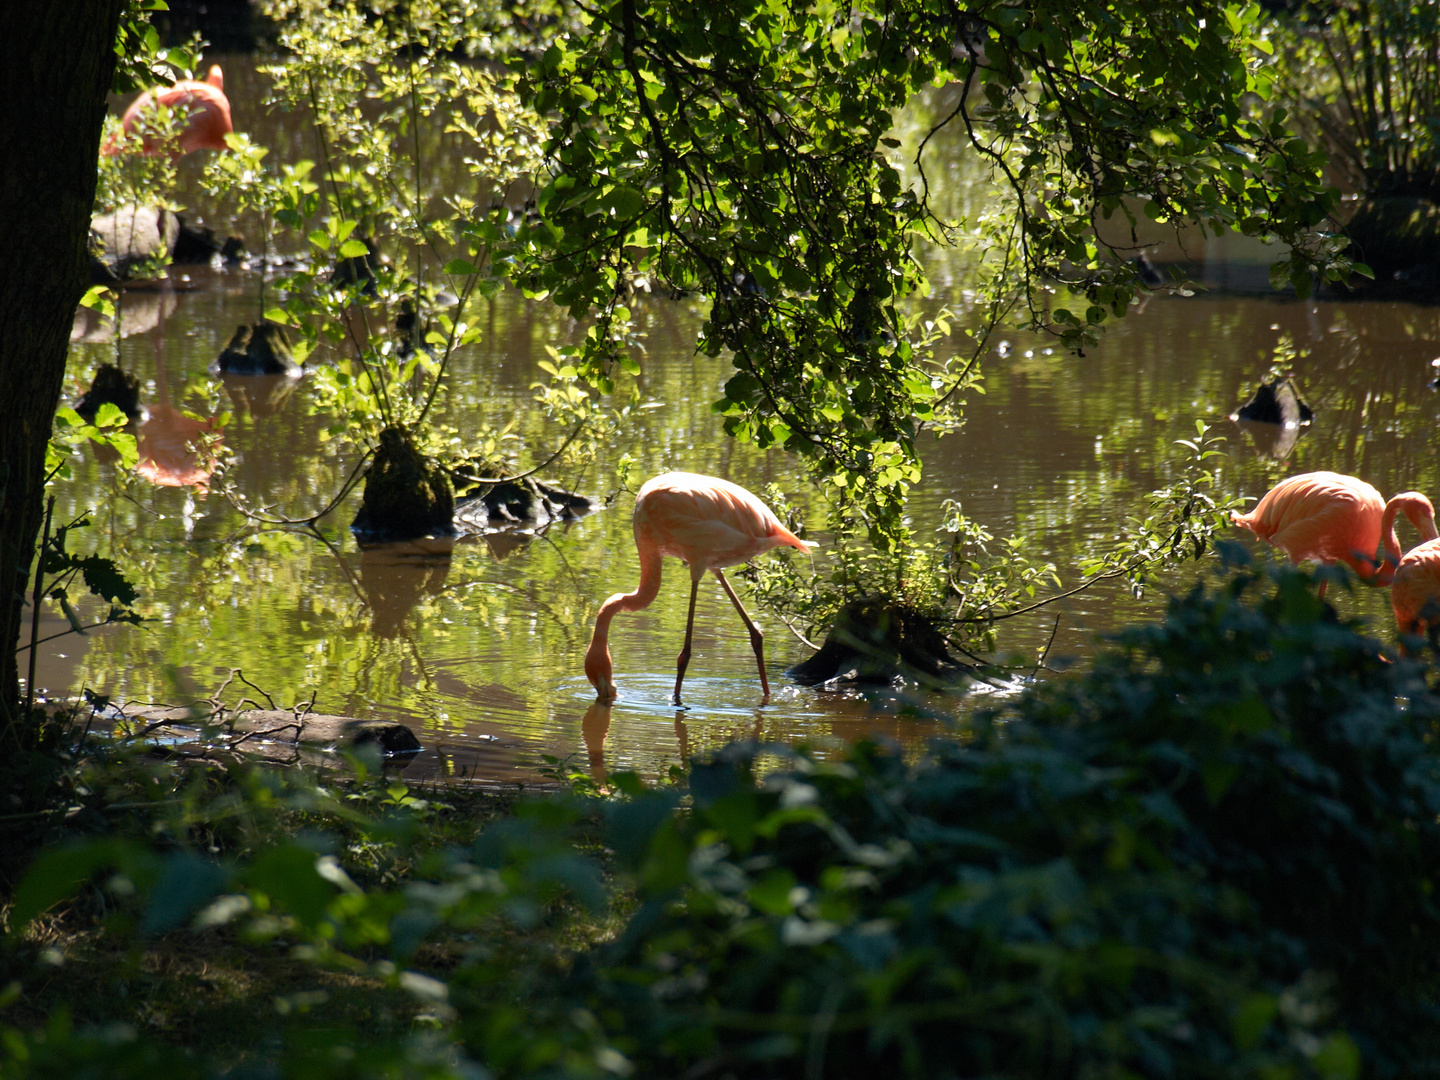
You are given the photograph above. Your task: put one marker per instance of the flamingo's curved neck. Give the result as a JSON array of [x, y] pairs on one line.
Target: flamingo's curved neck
[[643, 596], [1421, 514], [597, 656]]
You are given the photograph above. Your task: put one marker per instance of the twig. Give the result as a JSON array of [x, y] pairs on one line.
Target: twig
[[802, 638], [530, 472], [1045, 652]]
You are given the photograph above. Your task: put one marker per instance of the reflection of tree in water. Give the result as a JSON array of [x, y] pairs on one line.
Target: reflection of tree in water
[[1062, 445], [1372, 381], [395, 577], [259, 395]]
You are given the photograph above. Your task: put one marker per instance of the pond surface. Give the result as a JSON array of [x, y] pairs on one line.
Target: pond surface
[[481, 652]]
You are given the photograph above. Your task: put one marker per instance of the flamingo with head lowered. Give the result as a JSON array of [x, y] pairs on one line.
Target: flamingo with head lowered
[[1334, 518], [206, 108], [709, 523], [1415, 590]]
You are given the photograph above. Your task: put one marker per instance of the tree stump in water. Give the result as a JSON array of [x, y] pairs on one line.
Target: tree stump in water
[[406, 495], [875, 642], [119, 388]]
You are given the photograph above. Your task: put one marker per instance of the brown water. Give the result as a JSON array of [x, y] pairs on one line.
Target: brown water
[[481, 652]]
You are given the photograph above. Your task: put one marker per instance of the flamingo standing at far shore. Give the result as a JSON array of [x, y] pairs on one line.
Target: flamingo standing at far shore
[[709, 523], [206, 107], [1333, 518]]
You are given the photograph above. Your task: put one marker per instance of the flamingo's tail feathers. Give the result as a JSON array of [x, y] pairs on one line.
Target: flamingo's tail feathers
[[783, 537]]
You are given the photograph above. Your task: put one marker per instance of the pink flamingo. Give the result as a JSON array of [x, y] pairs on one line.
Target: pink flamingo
[[709, 523], [205, 105], [1415, 592], [1333, 518]]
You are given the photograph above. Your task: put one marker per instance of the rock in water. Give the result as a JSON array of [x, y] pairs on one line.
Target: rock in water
[[406, 495], [1276, 402], [263, 349], [130, 236], [527, 501], [198, 244]]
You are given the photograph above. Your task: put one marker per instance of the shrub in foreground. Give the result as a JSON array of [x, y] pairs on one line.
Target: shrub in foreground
[[1209, 855], [1212, 854]]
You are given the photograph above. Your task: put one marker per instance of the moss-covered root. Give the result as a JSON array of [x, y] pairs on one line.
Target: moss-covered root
[[406, 495]]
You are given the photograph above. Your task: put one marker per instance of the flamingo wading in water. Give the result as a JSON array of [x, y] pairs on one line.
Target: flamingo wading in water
[[1415, 592], [206, 108], [1333, 518], [709, 523]]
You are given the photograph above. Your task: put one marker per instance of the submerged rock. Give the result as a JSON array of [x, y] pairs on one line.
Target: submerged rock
[[359, 269], [873, 642], [198, 244], [1276, 402], [111, 384], [406, 495], [258, 730], [263, 349]]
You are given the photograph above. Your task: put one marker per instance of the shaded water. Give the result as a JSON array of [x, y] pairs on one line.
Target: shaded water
[[481, 652]]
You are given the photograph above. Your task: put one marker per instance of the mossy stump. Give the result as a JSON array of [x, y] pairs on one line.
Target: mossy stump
[[406, 495], [874, 642]]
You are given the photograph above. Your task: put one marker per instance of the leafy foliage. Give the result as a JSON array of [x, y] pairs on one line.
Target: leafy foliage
[[1365, 77], [966, 581], [743, 151], [1210, 855]]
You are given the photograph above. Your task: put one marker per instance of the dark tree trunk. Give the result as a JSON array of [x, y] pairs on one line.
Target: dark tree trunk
[[57, 58]]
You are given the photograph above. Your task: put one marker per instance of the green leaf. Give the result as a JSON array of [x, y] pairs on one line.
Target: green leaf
[[1338, 1058], [288, 876]]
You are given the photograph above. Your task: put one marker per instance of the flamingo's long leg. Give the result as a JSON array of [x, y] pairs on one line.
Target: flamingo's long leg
[[757, 639], [683, 660]]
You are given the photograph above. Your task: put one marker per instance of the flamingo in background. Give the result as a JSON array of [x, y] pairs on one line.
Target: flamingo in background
[[709, 523], [1415, 592], [1333, 518], [206, 107]]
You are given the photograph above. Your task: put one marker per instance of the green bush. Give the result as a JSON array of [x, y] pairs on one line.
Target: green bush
[[1210, 855]]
